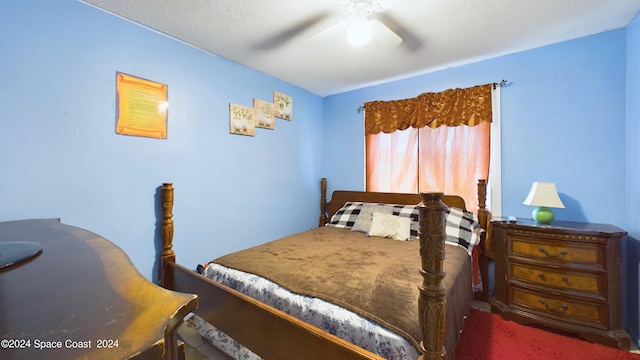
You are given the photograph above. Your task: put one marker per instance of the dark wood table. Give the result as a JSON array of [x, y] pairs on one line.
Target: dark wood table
[[82, 297]]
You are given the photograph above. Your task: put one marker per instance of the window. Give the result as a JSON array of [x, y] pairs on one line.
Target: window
[[452, 150]]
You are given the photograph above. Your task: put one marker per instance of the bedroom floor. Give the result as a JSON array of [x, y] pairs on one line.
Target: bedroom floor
[[195, 347], [198, 349]]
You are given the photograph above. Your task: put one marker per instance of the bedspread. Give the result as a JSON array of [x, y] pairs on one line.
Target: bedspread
[[374, 277]]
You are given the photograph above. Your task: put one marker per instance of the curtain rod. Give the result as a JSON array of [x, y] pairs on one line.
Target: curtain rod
[[502, 83]]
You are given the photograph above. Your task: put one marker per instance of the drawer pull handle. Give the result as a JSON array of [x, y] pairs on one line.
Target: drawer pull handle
[[544, 278], [561, 254], [560, 309]]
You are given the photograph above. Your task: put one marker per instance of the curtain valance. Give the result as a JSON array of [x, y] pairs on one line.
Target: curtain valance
[[451, 107]]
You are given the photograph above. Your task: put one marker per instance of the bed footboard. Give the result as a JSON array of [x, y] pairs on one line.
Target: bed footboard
[[268, 332]]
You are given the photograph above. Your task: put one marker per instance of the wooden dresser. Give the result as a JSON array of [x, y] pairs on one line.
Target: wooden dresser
[[563, 276], [82, 298]]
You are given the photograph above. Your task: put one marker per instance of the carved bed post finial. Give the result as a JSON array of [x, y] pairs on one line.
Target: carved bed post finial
[[167, 254], [432, 304], [323, 202]]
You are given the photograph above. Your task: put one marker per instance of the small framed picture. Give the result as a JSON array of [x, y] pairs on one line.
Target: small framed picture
[[242, 120], [283, 105], [264, 114]]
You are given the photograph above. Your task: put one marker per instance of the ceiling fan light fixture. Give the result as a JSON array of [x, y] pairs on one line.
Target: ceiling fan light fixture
[[359, 32]]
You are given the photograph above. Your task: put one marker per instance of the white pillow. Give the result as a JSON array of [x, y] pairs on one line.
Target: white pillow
[[363, 222], [390, 226]]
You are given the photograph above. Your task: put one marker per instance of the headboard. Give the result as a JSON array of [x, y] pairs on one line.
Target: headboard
[[340, 197]]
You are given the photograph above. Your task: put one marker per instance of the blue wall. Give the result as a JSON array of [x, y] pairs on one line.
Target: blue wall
[[61, 157]]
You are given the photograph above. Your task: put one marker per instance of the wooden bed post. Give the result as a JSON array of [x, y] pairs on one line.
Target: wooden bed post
[[483, 261], [432, 304], [482, 203], [323, 202], [167, 254]]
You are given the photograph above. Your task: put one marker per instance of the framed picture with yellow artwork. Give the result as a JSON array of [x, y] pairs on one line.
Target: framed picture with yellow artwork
[[141, 107]]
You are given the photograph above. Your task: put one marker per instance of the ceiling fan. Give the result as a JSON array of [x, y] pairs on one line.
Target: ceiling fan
[[358, 27]]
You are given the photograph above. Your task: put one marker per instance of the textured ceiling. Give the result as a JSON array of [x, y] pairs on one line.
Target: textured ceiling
[[265, 35]]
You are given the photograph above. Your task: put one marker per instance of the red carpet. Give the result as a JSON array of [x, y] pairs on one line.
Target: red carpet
[[487, 336]]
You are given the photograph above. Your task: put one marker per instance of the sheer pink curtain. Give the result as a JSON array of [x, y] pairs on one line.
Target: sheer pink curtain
[[453, 159], [448, 159], [397, 151]]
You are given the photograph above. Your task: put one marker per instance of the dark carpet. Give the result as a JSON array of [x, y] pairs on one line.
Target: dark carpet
[[487, 336]]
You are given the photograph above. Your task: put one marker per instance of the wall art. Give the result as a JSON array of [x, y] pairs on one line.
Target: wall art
[[242, 120], [264, 114], [283, 105], [142, 107]]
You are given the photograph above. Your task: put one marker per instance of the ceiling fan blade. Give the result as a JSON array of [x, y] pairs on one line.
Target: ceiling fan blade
[[384, 35], [410, 40], [280, 38], [325, 33]]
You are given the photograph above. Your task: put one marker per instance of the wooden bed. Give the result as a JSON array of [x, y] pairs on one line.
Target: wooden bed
[[273, 334]]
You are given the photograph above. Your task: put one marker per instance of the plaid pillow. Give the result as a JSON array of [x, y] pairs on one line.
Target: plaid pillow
[[347, 215], [462, 228]]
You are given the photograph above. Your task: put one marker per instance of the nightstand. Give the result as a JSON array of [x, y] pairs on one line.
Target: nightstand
[[563, 276]]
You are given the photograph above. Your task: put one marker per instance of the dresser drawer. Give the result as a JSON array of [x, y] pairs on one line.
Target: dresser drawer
[[551, 305], [595, 284], [541, 249]]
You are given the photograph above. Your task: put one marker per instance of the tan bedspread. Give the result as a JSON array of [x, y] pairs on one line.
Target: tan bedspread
[[372, 276]]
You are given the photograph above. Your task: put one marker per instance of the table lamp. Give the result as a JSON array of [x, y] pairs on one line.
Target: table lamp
[[543, 195]]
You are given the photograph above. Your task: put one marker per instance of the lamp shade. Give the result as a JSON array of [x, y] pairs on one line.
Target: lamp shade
[[543, 194]]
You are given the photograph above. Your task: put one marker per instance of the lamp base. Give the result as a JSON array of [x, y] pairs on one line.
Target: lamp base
[[542, 215]]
